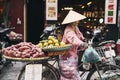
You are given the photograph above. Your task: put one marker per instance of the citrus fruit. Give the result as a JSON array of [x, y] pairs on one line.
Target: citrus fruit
[[45, 44], [50, 37], [55, 41], [62, 44], [39, 45], [56, 44], [50, 46], [50, 41]]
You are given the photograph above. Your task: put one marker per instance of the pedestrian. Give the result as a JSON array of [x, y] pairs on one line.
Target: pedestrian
[[72, 35]]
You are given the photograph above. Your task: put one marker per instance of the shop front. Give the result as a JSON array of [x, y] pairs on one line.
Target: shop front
[[30, 17]]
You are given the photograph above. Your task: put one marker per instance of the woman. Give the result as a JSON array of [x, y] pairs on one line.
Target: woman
[[72, 35]]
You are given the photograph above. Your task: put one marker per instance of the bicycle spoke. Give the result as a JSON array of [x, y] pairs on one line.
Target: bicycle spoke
[[108, 72], [48, 73]]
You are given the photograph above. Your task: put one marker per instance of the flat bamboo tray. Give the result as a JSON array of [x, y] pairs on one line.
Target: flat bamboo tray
[[57, 48], [25, 59]]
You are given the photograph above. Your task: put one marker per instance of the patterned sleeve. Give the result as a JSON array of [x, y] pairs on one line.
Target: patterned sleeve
[[73, 39]]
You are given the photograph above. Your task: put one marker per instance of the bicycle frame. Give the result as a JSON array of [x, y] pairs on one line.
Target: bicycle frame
[[52, 61], [101, 52], [97, 64]]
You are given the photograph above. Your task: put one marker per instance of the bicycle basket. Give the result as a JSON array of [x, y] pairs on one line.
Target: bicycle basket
[[106, 52], [91, 56]]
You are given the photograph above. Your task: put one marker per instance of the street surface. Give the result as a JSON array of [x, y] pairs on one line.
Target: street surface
[[11, 72]]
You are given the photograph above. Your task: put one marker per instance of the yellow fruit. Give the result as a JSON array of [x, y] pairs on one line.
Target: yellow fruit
[[50, 46], [39, 45], [50, 37], [45, 44], [56, 44], [62, 44], [55, 41], [50, 41]]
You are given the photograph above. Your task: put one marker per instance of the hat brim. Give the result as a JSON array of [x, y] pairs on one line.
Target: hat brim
[[72, 17]]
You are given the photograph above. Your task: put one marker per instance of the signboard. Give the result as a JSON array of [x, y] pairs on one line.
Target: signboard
[[119, 15], [110, 11], [51, 9], [33, 72]]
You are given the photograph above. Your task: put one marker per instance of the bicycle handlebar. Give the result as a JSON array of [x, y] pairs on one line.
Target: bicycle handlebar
[[6, 29], [48, 31]]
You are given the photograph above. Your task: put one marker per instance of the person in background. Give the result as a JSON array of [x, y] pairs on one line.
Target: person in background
[[72, 35]]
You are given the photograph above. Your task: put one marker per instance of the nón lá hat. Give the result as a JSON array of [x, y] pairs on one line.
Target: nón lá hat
[[73, 16]]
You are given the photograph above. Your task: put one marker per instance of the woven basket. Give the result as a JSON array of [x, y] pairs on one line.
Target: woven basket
[[57, 48], [25, 59], [54, 51]]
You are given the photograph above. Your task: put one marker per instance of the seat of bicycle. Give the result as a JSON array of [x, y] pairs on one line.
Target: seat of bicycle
[[2, 30]]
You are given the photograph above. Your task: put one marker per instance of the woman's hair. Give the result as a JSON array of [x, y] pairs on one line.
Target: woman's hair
[[63, 28]]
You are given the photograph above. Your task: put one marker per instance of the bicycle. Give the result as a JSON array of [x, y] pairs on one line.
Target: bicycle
[[101, 69], [48, 68]]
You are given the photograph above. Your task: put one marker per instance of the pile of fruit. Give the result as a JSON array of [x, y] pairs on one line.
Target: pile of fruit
[[53, 46], [50, 42]]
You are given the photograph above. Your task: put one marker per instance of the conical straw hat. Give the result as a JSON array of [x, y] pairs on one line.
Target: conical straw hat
[[73, 16]]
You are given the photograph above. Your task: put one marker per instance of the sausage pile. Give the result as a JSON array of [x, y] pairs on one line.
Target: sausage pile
[[23, 50]]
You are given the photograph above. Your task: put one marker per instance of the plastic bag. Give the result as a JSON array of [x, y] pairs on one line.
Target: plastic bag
[[90, 55]]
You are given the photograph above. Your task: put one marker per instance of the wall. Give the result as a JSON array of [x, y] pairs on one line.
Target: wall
[[16, 11], [35, 20], [119, 17]]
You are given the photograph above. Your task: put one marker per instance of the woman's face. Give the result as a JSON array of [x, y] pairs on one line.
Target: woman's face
[[75, 23]]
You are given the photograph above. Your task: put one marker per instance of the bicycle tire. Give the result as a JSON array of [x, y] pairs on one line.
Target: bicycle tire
[[4, 61], [50, 73], [93, 74]]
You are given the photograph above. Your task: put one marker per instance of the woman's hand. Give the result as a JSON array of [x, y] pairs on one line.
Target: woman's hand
[[83, 46]]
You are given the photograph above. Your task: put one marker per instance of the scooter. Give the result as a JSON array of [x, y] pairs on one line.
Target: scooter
[[4, 42], [49, 30]]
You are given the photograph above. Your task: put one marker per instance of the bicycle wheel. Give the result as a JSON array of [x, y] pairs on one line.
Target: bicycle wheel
[[4, 61], [107, 72], [48, 72]]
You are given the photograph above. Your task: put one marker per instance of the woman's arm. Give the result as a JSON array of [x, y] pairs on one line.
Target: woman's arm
[[73, 39]]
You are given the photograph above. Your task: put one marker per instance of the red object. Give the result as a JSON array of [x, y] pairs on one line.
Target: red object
[[118, 49]]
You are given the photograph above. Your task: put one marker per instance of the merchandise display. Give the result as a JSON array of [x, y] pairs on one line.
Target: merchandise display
[[53, 46], [50, 42], [23, 50], [26, 51]]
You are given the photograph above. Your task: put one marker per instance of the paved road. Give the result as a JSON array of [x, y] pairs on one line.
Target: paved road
[[10, 72]]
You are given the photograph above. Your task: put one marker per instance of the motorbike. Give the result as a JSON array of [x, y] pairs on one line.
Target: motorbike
[[4, 42], [49, 31]]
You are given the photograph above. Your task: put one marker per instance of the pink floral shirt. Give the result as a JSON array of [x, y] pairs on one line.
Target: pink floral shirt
[[72, 37]]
